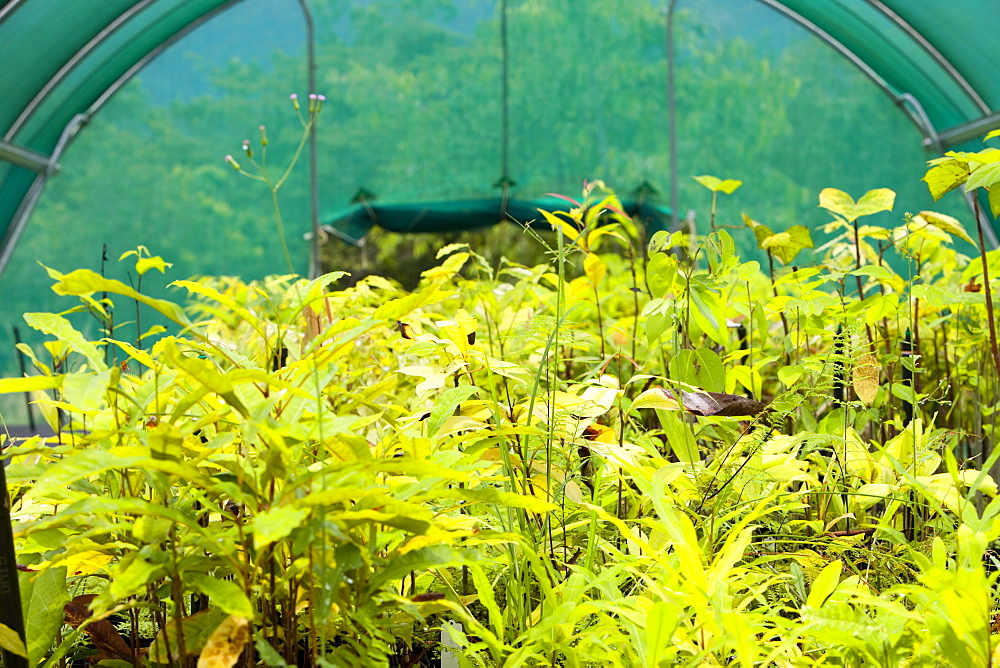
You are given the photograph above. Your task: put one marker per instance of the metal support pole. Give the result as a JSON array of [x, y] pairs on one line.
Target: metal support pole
[[314, 241], [672, 114]]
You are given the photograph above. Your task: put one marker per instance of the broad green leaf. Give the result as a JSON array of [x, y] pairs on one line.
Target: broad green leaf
[[836, 201], [986, 176], [59, 327], [942, 179], [825, 584], [662, 619], [873, 271], [709, 313], [397, 309], [131, 575], [86, 390], [786, 245], [879, 306], [205, 372], [873, 201], [12, 642], [276, 523], [268, 654], [946, 223], [842, 204], [226, 595], [43, 596], [87, 282], [30, 384], [992, 134], [710, 373], [83, 464], [994, 200], [446, 404], [660, 273]]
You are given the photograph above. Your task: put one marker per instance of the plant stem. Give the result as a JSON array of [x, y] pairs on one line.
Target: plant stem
[[986, 288]]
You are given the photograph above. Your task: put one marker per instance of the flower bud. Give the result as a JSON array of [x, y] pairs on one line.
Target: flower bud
[[312, 102], [247, 149], [263, 135], [232, 162], [295, 101]]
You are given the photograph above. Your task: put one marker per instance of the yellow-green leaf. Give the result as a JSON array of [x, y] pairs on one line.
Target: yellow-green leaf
[[944, 222], [986, 176], [277, 523], [943, 178], [226, 595], [825, 584], [594, 268], [715, 184], [842, 204], [87, 282], [12, 642], [656, 398], [30, 384]]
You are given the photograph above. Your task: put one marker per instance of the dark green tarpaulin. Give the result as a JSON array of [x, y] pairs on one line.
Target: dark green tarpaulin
[[353, 224]]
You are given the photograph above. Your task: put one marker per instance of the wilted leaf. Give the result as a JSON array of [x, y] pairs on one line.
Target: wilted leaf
[[102, 633], [707, 404], [224, 647], [865, 378]]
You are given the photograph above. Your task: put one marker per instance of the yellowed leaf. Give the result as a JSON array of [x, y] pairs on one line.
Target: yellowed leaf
[[865, 378], [224, 647], [594, 268]]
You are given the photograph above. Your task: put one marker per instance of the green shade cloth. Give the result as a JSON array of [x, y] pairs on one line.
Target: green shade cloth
[[61, 60]]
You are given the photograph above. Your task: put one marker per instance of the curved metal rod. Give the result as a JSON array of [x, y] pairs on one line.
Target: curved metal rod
[[932, 51]]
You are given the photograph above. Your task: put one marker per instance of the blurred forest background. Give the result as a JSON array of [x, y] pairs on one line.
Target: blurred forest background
[[413, 114]]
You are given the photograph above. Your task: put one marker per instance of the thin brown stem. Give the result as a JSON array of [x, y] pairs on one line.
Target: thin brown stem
[[986, 288]]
